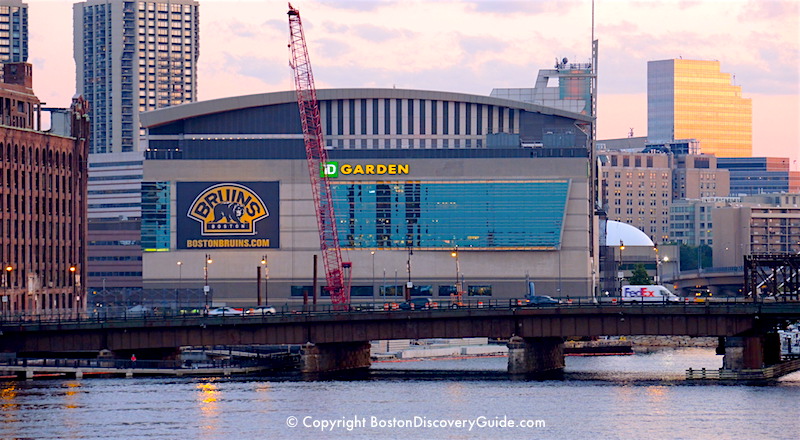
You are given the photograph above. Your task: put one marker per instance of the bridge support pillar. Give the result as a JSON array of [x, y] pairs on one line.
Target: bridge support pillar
[[320, 358], [751, 352], [26, 374], [535, 355]]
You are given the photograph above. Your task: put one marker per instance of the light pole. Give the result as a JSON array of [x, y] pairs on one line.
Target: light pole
[[658, 263], [205, 277], [180, 281], [6, 297], [264, 263], [409, 285], [620, 272], [373, 272], [74, 270], [457, 285]]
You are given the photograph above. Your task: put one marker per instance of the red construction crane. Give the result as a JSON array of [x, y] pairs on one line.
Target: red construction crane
[[317, 156]]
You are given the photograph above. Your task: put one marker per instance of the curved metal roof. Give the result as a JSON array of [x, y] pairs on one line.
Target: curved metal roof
[[201, 108], [618, 233]]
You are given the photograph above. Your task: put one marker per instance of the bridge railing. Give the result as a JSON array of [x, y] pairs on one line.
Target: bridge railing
[[109, 314], [44, 364]]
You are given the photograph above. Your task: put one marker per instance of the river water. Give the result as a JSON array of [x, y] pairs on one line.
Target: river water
[[641, 396]]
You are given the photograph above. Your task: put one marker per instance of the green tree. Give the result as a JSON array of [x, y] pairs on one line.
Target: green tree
[[694, 257], [639, 276]]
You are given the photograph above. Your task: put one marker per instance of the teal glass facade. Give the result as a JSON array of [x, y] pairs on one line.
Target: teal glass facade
[[512, 214], [155, 216]]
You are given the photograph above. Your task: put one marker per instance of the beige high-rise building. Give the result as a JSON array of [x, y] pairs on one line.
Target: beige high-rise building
[[694, 99], [637, 190], [764, 224], [696, 176]]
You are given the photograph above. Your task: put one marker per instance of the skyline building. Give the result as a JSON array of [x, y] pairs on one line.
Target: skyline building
[[760, 175], [43, 179], [567, 86], [132, 57], [433, 172], [13, 31], [694, 99]]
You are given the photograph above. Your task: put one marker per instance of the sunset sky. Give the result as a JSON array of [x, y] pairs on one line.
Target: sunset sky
[[474, 46]]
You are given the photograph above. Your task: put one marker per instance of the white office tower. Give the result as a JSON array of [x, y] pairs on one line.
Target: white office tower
[[130, 57], [13, 31]]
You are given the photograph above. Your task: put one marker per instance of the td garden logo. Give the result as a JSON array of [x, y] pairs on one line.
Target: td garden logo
[[332, 169], [228, 209]]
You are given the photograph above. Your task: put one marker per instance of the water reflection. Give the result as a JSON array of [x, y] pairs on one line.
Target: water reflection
[[207, 399], [612, 398], [8, 404]]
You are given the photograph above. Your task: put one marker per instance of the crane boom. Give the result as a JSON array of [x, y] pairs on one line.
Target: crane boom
[[317, 157]]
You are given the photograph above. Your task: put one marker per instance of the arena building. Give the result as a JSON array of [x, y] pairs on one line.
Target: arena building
[[417, 177]]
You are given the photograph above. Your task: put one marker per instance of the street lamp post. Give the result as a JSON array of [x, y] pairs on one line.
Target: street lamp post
[[373, 272], [409, 285], [74, 271], [620, 272], [459, 291], [658, 263], [264, 263], [206, 289], [178, 290], [6, 298]]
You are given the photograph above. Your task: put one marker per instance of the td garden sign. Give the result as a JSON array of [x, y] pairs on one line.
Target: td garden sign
[[227, 215], [332, 169]]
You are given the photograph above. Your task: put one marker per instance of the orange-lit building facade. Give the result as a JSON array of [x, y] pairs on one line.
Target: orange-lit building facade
[[43, 178], [694, 99]]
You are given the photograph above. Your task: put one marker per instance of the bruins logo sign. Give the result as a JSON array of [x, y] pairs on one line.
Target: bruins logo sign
[[228, 209]]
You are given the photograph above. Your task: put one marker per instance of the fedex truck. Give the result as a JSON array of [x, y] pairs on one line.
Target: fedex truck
[[648, 294]]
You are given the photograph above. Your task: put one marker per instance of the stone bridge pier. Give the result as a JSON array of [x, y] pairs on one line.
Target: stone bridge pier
[[321, 358], [751, 352], [535, 355]]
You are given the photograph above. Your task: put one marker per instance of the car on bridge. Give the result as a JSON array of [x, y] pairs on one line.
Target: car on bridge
[[419, 304], [261, 310], [541, 300], [225, 311]]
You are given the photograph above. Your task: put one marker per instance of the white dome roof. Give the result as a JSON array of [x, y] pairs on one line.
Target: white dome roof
[[618, 233]]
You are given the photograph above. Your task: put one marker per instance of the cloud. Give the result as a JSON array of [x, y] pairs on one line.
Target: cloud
[[511, 7], [769, 10], [361, 6], [381, 34], [472, 45]]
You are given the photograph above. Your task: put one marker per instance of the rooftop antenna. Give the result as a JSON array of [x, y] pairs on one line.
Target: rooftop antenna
[[630, 133]]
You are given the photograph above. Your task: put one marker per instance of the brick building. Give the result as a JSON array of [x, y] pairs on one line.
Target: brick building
[[42, 200]]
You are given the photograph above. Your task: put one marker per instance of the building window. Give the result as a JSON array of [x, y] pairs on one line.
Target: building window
[[480, 290], [519, 214]]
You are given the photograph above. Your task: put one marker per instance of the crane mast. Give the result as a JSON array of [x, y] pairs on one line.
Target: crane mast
[[317, 157]]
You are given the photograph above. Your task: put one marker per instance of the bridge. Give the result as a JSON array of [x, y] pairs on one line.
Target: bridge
[[335, 340]]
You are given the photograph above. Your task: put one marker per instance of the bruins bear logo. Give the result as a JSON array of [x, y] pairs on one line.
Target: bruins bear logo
[[232, 212], [228, 209]]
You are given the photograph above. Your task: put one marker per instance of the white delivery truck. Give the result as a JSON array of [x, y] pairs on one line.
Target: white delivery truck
[[648, 294]]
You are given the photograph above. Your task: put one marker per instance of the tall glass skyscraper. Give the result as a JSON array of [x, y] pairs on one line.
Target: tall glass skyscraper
[[693, 99], [133, 56], [13, 31]]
